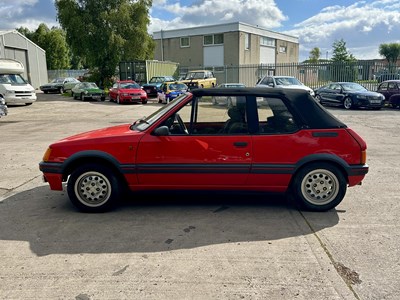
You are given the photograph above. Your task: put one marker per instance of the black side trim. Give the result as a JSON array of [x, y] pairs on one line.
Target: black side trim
[[50, 167]]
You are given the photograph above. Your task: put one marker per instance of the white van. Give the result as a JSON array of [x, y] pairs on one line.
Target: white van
[[13, 87]]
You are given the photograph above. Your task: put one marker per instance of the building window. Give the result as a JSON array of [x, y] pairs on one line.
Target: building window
[[282, 49], [185, 42], [266, 41], [218, 39], [213, 39], [247, 41]]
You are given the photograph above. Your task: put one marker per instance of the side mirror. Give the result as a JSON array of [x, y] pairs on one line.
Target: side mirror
[[161, 131]]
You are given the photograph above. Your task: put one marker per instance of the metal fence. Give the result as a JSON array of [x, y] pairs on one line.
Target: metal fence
[[366, 72]]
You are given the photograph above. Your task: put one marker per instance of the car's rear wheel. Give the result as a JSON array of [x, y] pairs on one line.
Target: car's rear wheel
[[319, 187], [93, 188], [348, 103]]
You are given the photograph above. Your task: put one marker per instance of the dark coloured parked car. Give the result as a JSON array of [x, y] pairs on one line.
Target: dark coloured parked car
[[349, 95], [391, 90], [57, 85], [154, 85], [271, 141]]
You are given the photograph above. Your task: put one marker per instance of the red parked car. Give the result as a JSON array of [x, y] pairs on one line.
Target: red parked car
[[127, 91], [269, 140], [391, 90]]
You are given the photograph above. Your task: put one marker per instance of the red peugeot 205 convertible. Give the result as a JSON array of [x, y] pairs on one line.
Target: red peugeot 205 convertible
[[267, 140]]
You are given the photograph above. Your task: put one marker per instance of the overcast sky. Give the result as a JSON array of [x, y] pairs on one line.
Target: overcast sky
[[363, 25]]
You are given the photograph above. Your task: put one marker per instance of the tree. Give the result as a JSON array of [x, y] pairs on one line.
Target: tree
[[343, 63], [53, 42], [392, 53], [104, 32], [315, 54], [340, 52]]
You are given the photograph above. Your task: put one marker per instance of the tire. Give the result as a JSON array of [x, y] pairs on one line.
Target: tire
[[94, 188], [103, 99], [318, 98], [82, 97], [348, 103], [319, 187], [74, 96], [144, 101], [118, 101], [61, 91]]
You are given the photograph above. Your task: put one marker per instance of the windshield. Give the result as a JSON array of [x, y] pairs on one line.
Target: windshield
[[353, 87], [195, 75], [12, 79], [287, 81], [178, 86], [129, 85], [145, 122]]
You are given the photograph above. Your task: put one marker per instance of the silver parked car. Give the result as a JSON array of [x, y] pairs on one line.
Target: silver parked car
[[3, 107], [229, 101]]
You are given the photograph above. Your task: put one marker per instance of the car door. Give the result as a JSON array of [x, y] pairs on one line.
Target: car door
[[199, 158], [277, 146]]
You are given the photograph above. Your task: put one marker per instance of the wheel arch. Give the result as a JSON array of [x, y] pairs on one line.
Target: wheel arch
[[340, 163], [87, 157]]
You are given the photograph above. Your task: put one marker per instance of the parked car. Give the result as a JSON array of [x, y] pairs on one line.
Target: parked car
[[69, 84], [154, 85], [200, 79], [57, 85], [285, 82], [170, 90], [3, 107], [390, 89], [88, 91], [385, 77], [217, 100], [349, 95], [127, 91], [288, 144]]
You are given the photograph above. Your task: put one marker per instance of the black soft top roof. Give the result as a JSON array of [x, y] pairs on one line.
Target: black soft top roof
[[299, 102]]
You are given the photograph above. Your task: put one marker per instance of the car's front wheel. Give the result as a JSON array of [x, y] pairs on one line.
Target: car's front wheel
[[93, 188], [348, 103], [319, 187]]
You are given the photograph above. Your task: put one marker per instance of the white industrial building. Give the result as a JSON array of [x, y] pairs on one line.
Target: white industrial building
[[16, 46]]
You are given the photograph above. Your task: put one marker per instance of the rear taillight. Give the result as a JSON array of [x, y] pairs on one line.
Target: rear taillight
[[362, 143]]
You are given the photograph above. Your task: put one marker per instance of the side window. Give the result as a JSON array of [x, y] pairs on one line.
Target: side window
[[392, 86], [383, 87], [211, 119], [274, 117]]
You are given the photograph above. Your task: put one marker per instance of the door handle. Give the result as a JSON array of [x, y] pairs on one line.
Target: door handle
[[240, 144]]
